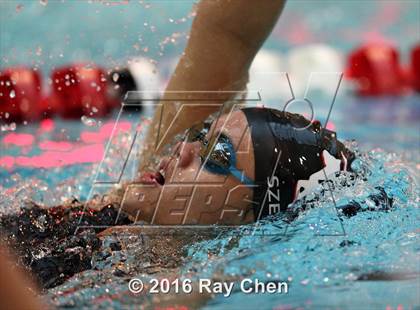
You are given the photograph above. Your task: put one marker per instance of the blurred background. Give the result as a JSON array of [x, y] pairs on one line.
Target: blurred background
[[50, 33], [53, 156]]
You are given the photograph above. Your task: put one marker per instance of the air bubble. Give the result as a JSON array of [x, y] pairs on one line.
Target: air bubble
[[11, 127], [88, 121], [38, 51]]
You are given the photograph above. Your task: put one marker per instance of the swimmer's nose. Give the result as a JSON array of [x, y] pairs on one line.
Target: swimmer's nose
[[187, 153], [164, 163]]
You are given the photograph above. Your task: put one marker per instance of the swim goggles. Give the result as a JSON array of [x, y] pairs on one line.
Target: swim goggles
[[217, 154]]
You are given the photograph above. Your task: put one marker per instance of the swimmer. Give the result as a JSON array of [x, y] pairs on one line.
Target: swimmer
[[263, 158], [241, 153], [225, 36], [224, 39]]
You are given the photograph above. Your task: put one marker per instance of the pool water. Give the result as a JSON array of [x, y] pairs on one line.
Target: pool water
[[331, 258]]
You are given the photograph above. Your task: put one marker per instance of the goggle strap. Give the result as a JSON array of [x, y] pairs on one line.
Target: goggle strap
[[240, 176]]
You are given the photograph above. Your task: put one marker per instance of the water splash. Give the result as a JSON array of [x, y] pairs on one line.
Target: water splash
[[379, 242]]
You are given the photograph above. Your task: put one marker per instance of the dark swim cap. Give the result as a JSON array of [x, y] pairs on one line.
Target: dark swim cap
[[287, 148]]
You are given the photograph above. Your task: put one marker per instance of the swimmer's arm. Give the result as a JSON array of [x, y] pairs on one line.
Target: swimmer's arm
[[224, 39], [16, 290]]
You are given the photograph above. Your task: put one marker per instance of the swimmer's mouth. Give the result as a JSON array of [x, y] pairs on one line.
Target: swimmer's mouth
[[153, 178], [159, 178]]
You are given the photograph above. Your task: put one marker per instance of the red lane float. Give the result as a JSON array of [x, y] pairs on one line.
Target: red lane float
[[376, 70], [415, 68], [78, 90], [84, 89], [20, 94]]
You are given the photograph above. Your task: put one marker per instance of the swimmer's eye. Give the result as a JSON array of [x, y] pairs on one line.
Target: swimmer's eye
[[198, 132], [217, 153]]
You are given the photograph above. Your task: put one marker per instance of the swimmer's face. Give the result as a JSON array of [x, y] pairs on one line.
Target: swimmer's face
[[192, 193]]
